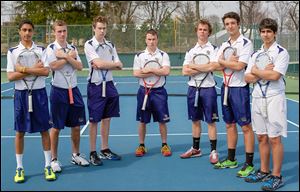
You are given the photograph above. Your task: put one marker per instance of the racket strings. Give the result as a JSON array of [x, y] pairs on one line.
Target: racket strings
[[153, 79]]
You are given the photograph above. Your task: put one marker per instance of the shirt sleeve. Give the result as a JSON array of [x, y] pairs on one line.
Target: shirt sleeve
[[44, 58], [10, 62], [115, 54], [136, 63], [187, 58], [250, 64], [246, 52], [220, 51], [166, 60], [281, 63], [90, 52], [50, 55], [77, 54], [213, 56]]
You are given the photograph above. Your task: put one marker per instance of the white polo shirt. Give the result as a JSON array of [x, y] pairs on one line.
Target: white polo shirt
[[58, 80], [105, 51], [12, 56], [211, 51], [142, 57], [244, 48], [280, 58]]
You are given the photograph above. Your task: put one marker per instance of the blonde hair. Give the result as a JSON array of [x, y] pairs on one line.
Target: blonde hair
[[58, 23]]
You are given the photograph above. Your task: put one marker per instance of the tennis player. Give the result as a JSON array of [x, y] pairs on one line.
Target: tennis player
[[238, 108], [102, 58], [39, 119], [269, 130], [157, 103], [207, 103], [63, 59]]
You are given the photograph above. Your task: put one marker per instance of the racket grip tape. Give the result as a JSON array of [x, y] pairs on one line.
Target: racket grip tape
[[264, 107], [196, 98], [103, 88], [30, 109], [225, 96], [71, 98], [145, 102]]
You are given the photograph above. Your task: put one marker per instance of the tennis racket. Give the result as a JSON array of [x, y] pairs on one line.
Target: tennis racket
[[103, 74], [199, 78], [227, 73], [150, 82], [102, 71], [69, 77], [261, 61], [29, 58]]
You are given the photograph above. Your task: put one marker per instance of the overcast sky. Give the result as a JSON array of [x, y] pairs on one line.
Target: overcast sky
[[219, 8]]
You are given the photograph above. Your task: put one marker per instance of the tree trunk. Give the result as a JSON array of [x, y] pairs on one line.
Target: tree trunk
[[197, 10]]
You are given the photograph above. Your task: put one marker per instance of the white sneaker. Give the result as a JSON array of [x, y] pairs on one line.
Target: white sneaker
[[213, 157], [191, 153], [56, 166], [79, 159]]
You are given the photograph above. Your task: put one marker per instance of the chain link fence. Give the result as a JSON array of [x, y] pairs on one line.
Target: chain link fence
[[174, 38]]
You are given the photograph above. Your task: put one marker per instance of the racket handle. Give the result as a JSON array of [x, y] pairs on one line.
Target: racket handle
[[103, 88], [145, 102], [225, 95], [196, 98], [264, 107], [71, 99], [30, 103]]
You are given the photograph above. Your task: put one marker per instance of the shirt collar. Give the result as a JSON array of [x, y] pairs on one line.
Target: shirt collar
[[96, 43], [208, 44], [33, 46], [272, 48], [239, 39], [59, 47], [155, 52]]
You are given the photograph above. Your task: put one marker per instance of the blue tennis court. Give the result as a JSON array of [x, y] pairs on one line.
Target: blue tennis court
[[151, 172]]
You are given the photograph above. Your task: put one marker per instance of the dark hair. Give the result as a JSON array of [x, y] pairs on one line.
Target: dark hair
[[152, 32], [269, 24], [99, 19], [26, 21], [204, 22], [232, 15]]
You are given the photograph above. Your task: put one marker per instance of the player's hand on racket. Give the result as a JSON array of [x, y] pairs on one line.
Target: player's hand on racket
[[268, 67], [254, 68], [61, 54], [19, 67], [147, 70], [190, 70], [94, 65], [232, 58], [38, 64], [119, 65], [72, 53]]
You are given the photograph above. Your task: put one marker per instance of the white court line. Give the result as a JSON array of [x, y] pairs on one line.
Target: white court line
[[7, 90], [130, 135], [6, 82], [293, 123], [84, 128]]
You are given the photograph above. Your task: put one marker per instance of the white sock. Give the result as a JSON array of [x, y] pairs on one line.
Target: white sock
[[75, 154], [19, 158], [47, 158]]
